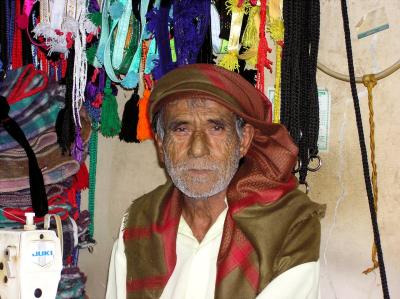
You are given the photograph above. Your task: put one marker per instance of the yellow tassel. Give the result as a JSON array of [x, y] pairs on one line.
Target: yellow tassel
[[277, 31], [144, 131], [250, 35], [232, 6], [229, 61]]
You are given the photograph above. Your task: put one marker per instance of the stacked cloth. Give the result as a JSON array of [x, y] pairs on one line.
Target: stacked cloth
[[72, 284], [34, 105]]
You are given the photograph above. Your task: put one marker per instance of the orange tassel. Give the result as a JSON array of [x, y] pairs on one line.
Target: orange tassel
[[144, 131]]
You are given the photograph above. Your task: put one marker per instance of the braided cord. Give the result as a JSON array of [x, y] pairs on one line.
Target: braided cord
[[92, 173], [276, 29], [364, 156], [370, 82]]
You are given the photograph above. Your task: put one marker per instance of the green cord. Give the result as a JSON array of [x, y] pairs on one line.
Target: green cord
[[92, 173]]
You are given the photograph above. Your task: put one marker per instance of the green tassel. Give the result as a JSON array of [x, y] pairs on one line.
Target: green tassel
[[91, 54], [110, 122], [95, 17]]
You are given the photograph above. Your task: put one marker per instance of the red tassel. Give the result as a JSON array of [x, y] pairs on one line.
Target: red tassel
[[17, 43], [144, 131], [81, 178], [263, 49], [98, 100]]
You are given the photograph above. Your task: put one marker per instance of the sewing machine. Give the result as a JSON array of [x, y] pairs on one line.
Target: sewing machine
[[30, 261]]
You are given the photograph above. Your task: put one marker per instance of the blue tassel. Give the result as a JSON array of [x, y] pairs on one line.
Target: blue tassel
[[116, 9], [131, 80]]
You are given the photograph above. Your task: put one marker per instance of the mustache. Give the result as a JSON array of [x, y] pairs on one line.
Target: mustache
[[196, 165]]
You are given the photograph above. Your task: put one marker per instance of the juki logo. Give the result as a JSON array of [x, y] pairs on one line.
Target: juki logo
[[43, 253]]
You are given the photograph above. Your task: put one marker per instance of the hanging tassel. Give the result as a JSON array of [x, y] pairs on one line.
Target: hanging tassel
[[81, 178], [276, 28], [130, 120], [144, 131], [91, 54], [131, 80], [250, 35], [110, 122], [77, 150], [263, 49], [229, 61]]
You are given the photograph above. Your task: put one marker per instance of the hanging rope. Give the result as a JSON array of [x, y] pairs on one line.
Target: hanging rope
[[370, 82], [299, 104], [364, 156], [93, 141]]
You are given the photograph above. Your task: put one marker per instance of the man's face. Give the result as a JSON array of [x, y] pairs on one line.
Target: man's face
[[201, 148]]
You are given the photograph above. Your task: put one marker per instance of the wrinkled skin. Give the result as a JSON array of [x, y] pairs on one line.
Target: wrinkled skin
[[201, 148]]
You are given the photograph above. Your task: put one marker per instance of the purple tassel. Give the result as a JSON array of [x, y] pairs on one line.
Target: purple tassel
[[91, 91], [77, 151], [93, 6]]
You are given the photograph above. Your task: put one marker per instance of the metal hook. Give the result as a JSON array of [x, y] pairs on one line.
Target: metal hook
[[298, 166], [314, 169], [307, 186]]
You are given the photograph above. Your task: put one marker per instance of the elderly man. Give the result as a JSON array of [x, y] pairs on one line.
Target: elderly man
[[229, 223]]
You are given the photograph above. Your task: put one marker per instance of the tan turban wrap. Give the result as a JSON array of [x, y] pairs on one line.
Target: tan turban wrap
[[272, 155]]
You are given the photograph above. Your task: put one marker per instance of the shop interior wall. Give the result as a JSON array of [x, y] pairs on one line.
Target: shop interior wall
[[126, 171]]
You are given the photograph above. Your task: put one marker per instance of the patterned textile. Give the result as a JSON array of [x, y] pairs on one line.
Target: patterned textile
[[72, 284], [34, 104], [22, 198], [55, 165]]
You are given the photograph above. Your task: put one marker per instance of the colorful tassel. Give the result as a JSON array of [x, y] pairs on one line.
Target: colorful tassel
[[130, 120], [81, 178], [144, 131], [250, 35], [238, 5], [229, 61], [77, 150], [110, 122], [131, 80], [263, 49], [276, 28]]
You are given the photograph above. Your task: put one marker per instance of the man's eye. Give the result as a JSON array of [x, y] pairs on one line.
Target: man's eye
[[180, 129], [218, 127]]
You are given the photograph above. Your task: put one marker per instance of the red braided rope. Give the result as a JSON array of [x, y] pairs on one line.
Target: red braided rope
[[263, 49]]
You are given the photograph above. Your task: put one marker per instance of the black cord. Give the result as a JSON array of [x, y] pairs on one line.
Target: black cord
[[299, 105], [364, 156]]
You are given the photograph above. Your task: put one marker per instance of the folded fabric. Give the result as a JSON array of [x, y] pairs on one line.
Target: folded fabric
[[12, 217], [55, 166], [72, 284], [34, 114], [38, 144], [20, 199]]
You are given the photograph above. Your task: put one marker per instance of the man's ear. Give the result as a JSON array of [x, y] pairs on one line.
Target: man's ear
[[159, 147], [247, 138]]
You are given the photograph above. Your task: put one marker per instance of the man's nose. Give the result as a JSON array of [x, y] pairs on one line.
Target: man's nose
[[199, 145]]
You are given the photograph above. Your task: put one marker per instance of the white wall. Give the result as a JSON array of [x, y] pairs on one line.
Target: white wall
[[126, 171]]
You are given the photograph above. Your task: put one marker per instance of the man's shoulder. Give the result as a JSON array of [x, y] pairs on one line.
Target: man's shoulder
[[281, 216], [148, 206]]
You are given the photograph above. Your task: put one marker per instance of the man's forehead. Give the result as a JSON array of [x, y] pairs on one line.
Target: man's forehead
[[191, 104]]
